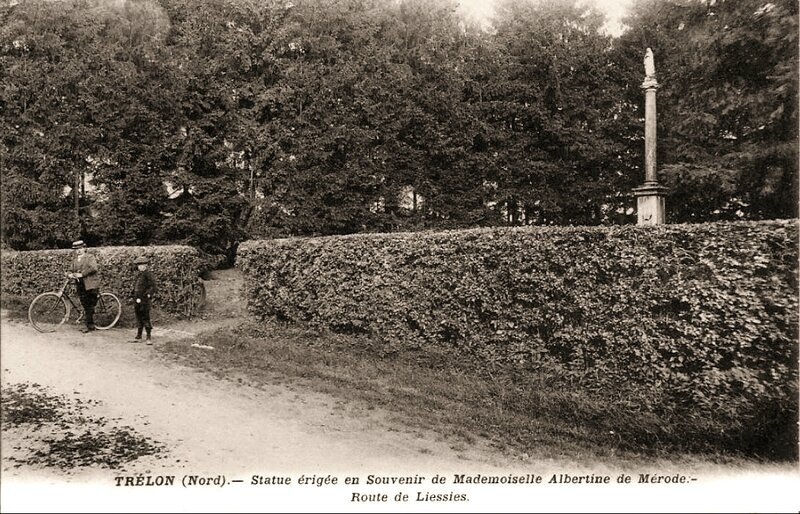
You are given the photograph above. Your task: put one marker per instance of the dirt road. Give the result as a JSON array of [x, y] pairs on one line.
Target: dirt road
[[211, 426]]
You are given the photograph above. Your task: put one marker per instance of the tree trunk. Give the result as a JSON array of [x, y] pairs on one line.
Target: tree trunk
[[76, 190], [252, 186]]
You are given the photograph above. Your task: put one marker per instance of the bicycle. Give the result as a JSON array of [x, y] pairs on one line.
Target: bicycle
[[50, 310]]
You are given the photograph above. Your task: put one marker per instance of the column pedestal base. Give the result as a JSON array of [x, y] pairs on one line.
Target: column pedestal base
[[650, 205]]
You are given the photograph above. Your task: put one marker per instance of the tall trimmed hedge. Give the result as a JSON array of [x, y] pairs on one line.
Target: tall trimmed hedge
[[659, 318], [26, 274]]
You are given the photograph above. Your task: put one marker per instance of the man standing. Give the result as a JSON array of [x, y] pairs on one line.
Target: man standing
[[84, 270]]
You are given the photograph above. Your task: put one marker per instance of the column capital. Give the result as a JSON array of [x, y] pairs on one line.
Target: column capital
[[650, 83]]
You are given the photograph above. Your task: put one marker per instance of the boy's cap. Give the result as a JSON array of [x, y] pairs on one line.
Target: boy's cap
[[78, 244], [141, 260]]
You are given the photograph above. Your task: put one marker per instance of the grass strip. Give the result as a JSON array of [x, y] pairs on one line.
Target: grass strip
[[518, 413]]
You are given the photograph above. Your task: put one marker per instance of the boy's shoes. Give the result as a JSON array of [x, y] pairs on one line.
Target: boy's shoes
[[136, 340], [88, 329]]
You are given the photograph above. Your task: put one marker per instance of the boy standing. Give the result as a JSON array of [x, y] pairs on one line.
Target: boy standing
[[144, 288]]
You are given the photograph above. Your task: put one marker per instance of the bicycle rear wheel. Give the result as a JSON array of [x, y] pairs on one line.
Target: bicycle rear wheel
[[47, 312], [107, 311]]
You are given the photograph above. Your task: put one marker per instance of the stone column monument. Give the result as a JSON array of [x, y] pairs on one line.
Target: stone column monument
[[650, 207]]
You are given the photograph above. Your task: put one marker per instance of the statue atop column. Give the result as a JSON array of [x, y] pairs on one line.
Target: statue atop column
[[649, 70], [649, 64]]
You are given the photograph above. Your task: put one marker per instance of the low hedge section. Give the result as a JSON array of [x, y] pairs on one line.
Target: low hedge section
[[27, 274], [678, 320]]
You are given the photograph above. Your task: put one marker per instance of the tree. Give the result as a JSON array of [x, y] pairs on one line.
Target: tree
[[87, 106], [362, 104], [555, 114]]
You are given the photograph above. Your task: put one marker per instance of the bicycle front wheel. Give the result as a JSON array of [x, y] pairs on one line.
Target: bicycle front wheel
[[47, 312], [107, 311]]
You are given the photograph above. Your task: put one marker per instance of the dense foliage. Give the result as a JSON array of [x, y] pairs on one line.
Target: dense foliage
[[204, 123], [27, 274], [678, 318]]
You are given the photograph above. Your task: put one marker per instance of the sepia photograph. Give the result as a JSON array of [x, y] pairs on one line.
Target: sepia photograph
[[399, 256]]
